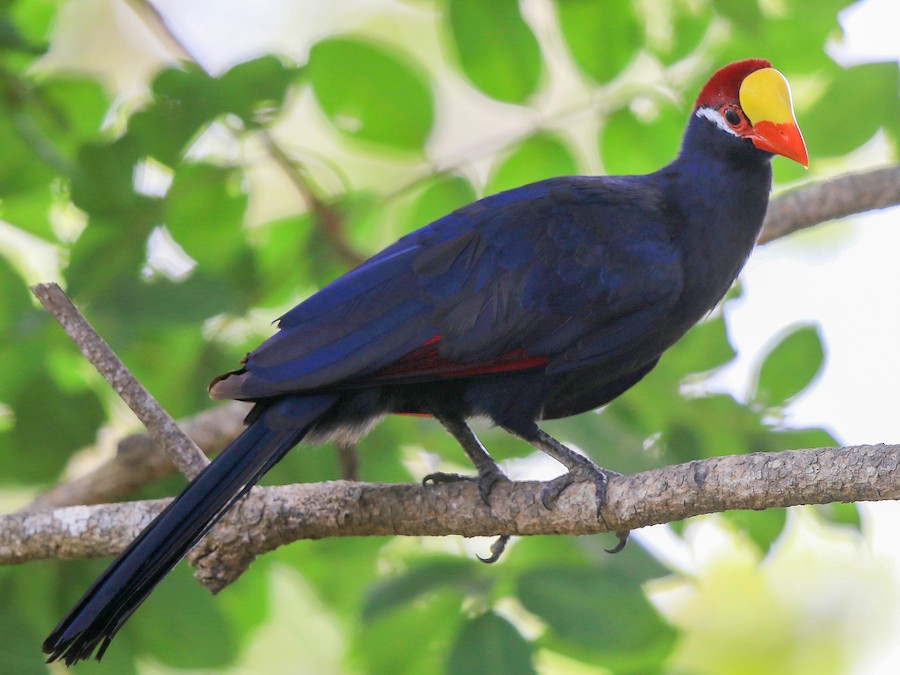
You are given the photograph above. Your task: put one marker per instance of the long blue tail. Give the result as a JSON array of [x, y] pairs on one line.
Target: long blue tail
[[127, 582]]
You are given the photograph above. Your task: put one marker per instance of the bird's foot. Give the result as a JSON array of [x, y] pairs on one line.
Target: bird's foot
[[622, 535], [497, 549], [489, 476], [487, 480], [585, 471]]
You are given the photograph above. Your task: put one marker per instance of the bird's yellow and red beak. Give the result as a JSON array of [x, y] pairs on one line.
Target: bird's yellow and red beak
[[766, 100]]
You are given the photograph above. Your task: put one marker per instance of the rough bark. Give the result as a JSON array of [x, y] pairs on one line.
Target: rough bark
[[273, 516]]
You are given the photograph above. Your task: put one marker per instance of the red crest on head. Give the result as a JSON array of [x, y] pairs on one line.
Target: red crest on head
[[725, 84]]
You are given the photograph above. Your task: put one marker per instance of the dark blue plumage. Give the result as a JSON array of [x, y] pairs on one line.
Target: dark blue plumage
[[535, 303]]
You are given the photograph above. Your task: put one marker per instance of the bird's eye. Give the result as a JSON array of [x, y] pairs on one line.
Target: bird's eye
[[732, 117]]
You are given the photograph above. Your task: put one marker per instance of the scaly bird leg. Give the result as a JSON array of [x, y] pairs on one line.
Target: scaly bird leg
[[489, 473], [580, 468]]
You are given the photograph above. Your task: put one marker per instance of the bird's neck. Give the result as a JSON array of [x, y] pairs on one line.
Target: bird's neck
[[720, 188]]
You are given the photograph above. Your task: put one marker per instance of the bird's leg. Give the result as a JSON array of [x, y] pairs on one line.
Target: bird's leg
[[489, 474], [580, 468], [347, 460]]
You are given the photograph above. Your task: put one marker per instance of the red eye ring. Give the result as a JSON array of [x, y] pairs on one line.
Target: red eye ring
[[732, 116]]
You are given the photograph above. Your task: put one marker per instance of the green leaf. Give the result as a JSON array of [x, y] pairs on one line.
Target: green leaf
[[103, 184], [763, 527], [704, 347], [688, 27], [794, 38], [892, 129], [542, 156], [586, 605], [427, 629], [14, 300], [33, 19], [789, 367], [858, 101], [50, 423], [370, 93], [282, 257], [255, 89], [30, 211], [746, 16], [629, 145], [204, 212], [20, 636], [103, 257], [48, 589], [184, 101], [490, 644], [20, 167], [496, 48], [72, 111], [12, 40], [439, 197], [840, 513], [177, 608], [422, 579], [602, 36]]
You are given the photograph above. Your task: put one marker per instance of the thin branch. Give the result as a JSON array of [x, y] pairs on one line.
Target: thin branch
[[329, 220], [161, 427], [271, 517], [831, 199], [156, 23]]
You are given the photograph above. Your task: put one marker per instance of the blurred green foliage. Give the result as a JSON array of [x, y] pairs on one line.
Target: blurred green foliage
[[136, 175]]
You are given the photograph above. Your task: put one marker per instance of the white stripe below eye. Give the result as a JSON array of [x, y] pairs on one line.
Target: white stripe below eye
[[716, 118]]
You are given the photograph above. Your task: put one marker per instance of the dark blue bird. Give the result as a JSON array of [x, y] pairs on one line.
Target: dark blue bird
[[540, 302]]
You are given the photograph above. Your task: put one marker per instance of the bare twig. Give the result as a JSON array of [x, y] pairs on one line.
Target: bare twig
[[329, 221], [161, 427], [271, 517], [156, 22], [826, 200]]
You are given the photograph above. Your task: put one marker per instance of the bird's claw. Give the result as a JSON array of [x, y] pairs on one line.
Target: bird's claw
[[497, 549], [623, 539], [442, 477], [486, 481], [586, 471]]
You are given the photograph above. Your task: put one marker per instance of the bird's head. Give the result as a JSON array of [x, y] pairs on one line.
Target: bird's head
[[750, 99]]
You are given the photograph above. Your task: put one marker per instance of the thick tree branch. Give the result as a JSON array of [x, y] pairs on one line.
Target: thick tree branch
[[831, 199], [162, 428], [270, 517]]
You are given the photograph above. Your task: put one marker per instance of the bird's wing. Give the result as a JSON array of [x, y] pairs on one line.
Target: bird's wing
[[510, 282]]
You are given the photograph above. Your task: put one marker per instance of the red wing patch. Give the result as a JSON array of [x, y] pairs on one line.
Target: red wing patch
[[426, 362]]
